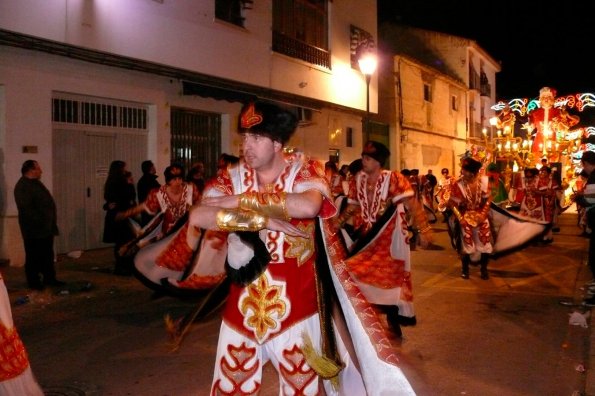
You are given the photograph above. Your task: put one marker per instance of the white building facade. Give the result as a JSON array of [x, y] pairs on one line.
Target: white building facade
[[84, 83]]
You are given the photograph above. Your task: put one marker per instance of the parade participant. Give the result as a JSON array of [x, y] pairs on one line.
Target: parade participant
[[168, 245], [443, 182], [535, 195], [469, 199], [16, 377], [415, 182], [548, 188], [271, 314], [334, 179], [428, 184], [374, 195], [497, 185], [444, 178]]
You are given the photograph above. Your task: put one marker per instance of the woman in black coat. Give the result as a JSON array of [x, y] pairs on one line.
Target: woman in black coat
[[119, 195]]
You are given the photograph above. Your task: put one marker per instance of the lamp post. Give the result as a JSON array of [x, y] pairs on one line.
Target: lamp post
[[367, 64]]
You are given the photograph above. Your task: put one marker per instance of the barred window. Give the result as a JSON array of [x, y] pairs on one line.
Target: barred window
[[195, 136], [98, 113]]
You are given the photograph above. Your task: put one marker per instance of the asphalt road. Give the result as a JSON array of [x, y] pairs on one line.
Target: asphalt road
[[105, 334]]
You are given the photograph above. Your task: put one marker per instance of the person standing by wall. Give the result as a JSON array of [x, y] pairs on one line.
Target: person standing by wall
[[146, 183], [38, 222], [118, 197]]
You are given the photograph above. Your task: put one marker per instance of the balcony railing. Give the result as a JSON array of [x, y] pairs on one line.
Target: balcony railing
[[300, 50]]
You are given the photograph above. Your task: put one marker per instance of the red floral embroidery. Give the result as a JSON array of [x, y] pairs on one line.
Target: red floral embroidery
[[13, 357], [234, 366], [295, 370]]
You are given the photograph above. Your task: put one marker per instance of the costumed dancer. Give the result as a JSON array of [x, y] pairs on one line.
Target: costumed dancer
[[534, 195], [469, 199], [428, 184], [16, 377], [379, 201], [169, 248], [276, 310], [497, 185]]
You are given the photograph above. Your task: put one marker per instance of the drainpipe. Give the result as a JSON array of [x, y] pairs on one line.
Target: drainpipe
[[398, 113]]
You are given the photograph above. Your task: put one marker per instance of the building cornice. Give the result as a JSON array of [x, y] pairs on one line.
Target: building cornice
[[194, 83]]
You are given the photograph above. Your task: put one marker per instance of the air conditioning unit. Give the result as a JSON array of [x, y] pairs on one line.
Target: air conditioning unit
[[304, 116]]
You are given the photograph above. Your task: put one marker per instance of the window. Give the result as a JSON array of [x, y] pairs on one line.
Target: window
[[99, 113], [454, 103], [427, 93], [195, 136], [334, 155], [300, 30], [232, 10], [349, 137]]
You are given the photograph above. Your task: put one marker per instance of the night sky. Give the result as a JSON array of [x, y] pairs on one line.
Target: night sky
[[537, 44]]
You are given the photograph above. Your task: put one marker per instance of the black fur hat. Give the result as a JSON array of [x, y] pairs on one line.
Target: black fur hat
[[268, 120], [376, 150], [470, 164]]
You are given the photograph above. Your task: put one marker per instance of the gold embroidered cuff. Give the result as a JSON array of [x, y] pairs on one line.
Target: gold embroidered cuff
[[267, 204], [457, 213], [240, 220]]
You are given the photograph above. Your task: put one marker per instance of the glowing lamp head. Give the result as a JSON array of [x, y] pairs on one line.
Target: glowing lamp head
[[367, 63]]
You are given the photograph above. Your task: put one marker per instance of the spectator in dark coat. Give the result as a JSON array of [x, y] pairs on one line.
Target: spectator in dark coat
[[119, 196], [37, 219], [146, 183]]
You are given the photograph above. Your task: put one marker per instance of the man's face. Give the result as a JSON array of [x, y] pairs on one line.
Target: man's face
[[467, 175], [259, 150], [369, 164], [176, 177], [36, 172]]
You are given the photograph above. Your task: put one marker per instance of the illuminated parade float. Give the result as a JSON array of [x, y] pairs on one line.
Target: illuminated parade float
[[528, 133]]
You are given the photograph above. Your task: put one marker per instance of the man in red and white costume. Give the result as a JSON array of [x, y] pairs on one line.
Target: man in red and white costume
[[273, 312], [469, 197], [379, 259]]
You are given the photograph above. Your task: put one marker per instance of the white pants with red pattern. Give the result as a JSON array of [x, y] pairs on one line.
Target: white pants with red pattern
[[239, 363]]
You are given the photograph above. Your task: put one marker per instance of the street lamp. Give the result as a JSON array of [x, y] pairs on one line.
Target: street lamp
[[367, 64]]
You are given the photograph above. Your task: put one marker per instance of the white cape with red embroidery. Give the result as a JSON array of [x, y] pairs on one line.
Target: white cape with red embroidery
[[22, 383], [377, 358], [510, 230]]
